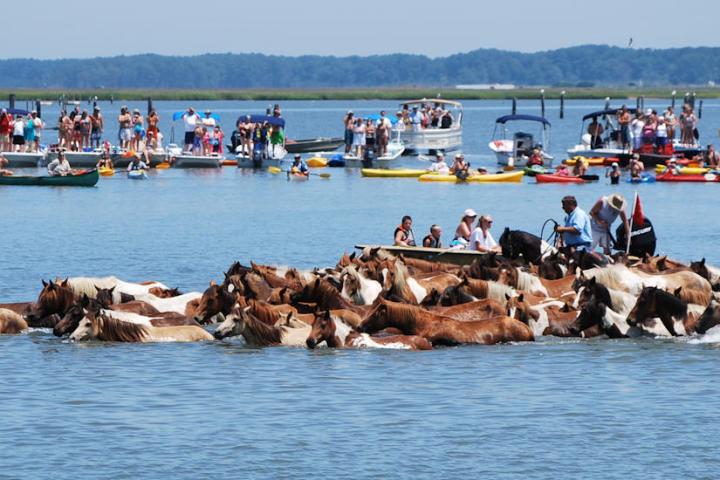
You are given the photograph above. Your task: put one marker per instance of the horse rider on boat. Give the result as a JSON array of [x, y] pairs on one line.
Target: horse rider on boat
[[432, 239], [137, 164], [602, 215]]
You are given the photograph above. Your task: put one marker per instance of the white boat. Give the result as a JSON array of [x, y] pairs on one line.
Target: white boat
[[394, 150], [610, 144], [433, 139], [188, 160], [516, 149], [271, 157], [23, 159]]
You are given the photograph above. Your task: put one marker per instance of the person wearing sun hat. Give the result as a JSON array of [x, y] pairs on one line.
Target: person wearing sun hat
[[602, 215], [464, 229]]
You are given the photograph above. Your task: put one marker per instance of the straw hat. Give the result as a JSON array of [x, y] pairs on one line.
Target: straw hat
[[616, 201]]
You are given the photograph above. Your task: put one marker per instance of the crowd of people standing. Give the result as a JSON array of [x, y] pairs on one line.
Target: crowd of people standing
[[20, 133], [651, 128]]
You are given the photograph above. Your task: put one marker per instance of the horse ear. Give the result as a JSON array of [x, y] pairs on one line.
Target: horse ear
[[85, 300], [326, 315], [507, 297], [702, 262], [465, 280], [593, 281], [45, 284], [212, 283], [112, 289], [521, 297], [65, 282], [97, 289], [317, 282], [677, 292], [646, 258], [352, 256], [52, 286]]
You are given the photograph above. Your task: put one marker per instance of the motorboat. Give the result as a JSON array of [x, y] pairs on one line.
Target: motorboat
[[394, 150], [310, 145], [23, 159], [516, 149], [608, 145], [432, 139], [262, 156]]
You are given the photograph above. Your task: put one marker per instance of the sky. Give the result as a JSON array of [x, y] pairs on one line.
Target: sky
[[90, 28]]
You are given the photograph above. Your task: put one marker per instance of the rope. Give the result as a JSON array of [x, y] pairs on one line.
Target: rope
[[552, 235]]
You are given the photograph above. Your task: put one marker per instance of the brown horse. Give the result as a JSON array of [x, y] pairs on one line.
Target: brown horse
[[164, 292], [11, 323], [709, 318], [488, 289], [441, 330], [101, 326], [280, 296], [326, 297], [269, 274], [337, 334], [53, 302], [105, 299], [416, 265], [256, 287], [216, 300], [471, 311]]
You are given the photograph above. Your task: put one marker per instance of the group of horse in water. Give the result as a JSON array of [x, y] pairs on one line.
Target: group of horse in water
[[377, 300]]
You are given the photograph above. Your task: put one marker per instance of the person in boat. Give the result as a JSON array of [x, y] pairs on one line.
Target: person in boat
[[3, 167], [580, 167], [446, 120], [439, 165], [688, 123], [481, 239], [105, 158], [59, 167], [299, 166], [673, 168], [277, 113], [359, 137], [649, 128], [660, 134], [710, 158], [602, 215], [125, 132], [349, 123], [245, 129], [404, 236], [400, 125], [636, 126], [370, 137], [137, 163], [432, 239], [624, 119], [460, 168], [416, 119], [463, 232], [29, 133], [637, 167], [562, 170], [153, 120], [217, 140], [18, 140], [536, 158], [671, 123], [382, 133], [576, 231], [595, 130], [97, 126], [190, 122], [5, 121], [613, 173]]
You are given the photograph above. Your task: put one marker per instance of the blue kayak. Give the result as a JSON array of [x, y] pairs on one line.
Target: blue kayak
[[644, 178]]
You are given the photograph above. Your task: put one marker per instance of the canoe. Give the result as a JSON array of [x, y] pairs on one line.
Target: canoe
[[707, 178], [644, 178], [137, 175], [84, 178], [557, 179], [392, 173], [307, 145], [509, 177], [317, 162], [684, 170], [106, 172], [297, 176]]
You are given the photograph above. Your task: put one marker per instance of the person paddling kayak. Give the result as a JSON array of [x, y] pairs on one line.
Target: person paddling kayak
[[298, 166], [136, 164]]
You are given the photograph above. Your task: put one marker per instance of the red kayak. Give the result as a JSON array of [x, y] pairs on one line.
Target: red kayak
[[707, 178], [547, 178]]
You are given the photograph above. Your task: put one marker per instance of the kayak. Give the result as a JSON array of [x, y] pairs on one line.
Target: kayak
[[106, 172], [297, 176], [317, 162], [228, 162], [537, 169], [592, 162], [644, 178], [509, 177], [684, 170], [394, 173], [707, 178], [336, 162], [165, 165], [84, 178], [557, 179], [137, 175]]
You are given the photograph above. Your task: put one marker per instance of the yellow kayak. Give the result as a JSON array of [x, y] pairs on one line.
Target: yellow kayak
[[162, 166], [395, 173], [684, 170], [591, 162], [106, 172], [509, 177], [317, 162]]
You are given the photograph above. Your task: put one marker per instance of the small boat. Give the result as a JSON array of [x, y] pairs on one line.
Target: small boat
[[137, 175], [516, 150], [81, 178], [537, 169], [228, 163], [394, 150], [187, 160], [317, 162], [546, 178], [106, 172], [433, 139], [297, 176], [392, 173], [23, 159], [507, 177], [443, 255], [707, 178], [660, 169], [643, 178], [611, 143], [591, 162], [309, 145]]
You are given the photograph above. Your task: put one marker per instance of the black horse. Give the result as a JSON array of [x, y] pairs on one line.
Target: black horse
[[517, 244]]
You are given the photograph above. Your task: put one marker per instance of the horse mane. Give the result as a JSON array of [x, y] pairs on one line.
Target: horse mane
[[498, 290], [263, 335], [86, 285], [401, 312], [109, 329], [674, 305], [263, 312], [400, 285], [327, 296]]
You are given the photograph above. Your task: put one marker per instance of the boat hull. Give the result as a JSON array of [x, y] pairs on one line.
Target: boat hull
[[23, 160], [85, 179], [392, 173], [196, 161], [707, 178], [445, 139], [455, 257], [314, 145], [545, 178], [510, 177]]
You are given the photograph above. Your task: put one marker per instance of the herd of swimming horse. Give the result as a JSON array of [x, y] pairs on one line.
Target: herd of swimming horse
[[376, 300]]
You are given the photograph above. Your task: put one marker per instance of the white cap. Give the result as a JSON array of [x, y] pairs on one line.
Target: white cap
[[470, 213]]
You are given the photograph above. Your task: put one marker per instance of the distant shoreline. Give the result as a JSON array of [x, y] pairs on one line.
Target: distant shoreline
[[388, 93]]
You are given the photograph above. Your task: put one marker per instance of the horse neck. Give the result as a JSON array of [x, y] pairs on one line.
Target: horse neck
[[259, 333], [668, 303], [402, 317], [342, 330], [263, 313], [109, 329]]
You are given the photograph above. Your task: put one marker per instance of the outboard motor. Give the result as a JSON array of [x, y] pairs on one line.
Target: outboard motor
[[258, 155], [524, 143], [235, 140], [369, 157], [643, 239]]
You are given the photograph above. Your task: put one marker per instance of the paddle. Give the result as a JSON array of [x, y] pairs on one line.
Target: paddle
[[276, 170]]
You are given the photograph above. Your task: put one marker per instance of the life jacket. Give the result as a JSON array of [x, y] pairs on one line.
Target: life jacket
[[407, 236], [432, 241]]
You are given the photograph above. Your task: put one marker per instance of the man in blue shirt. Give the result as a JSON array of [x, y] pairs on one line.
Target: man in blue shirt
[[576, 232]]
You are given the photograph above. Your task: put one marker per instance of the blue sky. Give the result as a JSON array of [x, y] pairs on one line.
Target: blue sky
[[88, 28]]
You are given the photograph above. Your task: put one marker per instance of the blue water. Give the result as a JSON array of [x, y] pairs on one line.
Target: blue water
[[554, 409]]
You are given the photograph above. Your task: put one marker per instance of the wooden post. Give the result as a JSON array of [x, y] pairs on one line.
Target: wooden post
[[700, 109], [11, 101], [514, 105], [542, 102], [674, 92], [149, 105], [38, 108], [562, 104]]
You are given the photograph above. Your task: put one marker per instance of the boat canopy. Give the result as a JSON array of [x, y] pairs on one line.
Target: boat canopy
[[433, 100], [16, 111], [277, 121], [529, 118], [178, 115], [376, 117], [603, 113]]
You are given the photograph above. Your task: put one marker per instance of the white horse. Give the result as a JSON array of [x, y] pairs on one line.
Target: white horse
[[366, 290], [89, 285], [173, 304]]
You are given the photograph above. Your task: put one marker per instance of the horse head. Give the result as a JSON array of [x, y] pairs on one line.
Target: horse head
[[233, 325], [53, 299], [432, 299], [591, 314], [323, 330], [377, 319], [87, 327], [75, 314], [104, 296], [701, 269], [506, 243], [216, 299], [709, 318]]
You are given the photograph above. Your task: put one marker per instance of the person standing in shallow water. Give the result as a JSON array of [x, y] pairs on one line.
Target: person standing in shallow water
[[404, 236]]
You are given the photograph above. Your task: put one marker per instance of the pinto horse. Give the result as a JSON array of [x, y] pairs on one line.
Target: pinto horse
[[240, 322], [102, 326], [441, 330], [517, 244], [678, 317], [338, 334]]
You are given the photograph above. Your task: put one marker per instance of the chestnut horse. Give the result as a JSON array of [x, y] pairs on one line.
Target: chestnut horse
[[441, 330], [338, 334], [11, 323], [53, 302]]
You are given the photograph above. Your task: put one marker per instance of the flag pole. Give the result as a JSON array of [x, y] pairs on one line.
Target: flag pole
[[629, 234]]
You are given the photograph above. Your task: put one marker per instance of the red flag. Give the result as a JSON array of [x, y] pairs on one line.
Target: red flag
[[638, 217]]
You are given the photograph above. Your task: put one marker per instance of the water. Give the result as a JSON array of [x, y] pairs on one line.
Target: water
[[603, 409]]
